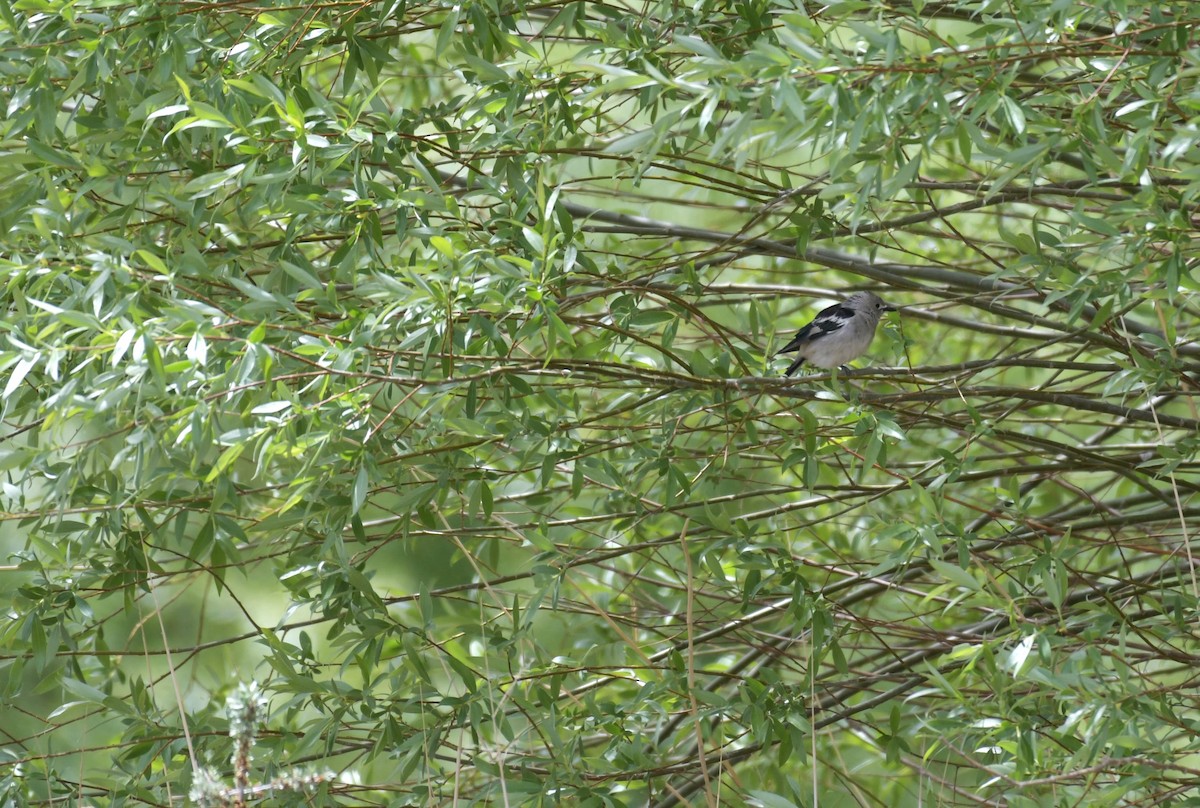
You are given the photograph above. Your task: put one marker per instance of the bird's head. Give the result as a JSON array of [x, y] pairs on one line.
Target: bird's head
[[868, 302]]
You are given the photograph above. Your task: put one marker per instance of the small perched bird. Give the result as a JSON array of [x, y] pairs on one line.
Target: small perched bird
[[838, 334]]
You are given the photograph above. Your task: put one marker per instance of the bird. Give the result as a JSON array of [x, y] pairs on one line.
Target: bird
[[838, 334]]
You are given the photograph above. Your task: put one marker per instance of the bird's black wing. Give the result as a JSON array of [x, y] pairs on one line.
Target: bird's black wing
[[830, 319]]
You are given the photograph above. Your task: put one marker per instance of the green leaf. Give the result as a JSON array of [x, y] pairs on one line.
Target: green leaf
[[486, 70], [50, 155], [955, 575], [766, 799], [1014, 113], [18, 373]]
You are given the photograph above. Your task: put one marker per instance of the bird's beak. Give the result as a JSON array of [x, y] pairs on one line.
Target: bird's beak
[[890, 308]]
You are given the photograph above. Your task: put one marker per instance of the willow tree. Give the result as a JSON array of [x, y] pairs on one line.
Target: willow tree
[[412, 362]]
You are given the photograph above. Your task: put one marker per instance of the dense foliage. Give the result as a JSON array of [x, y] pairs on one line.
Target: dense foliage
[[412, 359]]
